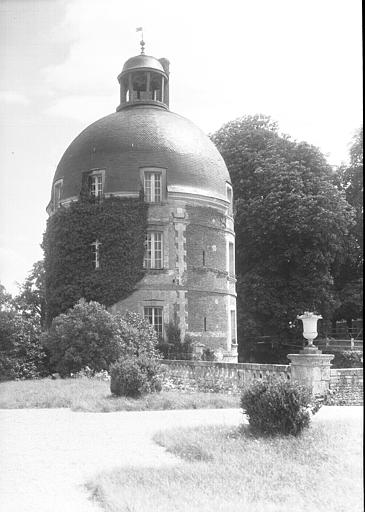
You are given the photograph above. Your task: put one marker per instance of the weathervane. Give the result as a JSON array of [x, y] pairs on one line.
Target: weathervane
[[142, 43]]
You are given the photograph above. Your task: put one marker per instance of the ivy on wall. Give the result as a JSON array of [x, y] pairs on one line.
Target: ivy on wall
[[119, 225]]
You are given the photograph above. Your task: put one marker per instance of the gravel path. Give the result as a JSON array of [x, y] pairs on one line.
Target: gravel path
[[46, 455]]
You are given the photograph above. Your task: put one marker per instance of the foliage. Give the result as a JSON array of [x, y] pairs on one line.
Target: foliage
[[135, 376], [348, 271], [291, 224], [31, 299], [346, 358], [21, 354], [208, 354], [278, 407], [138, 336], [119, 225], [174, 348], [87, 335]]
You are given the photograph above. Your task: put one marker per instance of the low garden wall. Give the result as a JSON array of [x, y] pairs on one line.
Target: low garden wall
[[347, 386], [214, 377]]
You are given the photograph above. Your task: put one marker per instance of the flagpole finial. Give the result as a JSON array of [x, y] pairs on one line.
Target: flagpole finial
[[142, 43]]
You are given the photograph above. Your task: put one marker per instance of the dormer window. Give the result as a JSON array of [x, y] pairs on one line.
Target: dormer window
[[57, 193], [154, 184], [152, 187], [96, 183]]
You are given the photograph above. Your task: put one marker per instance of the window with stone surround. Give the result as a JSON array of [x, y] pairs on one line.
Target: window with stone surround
[[155, 317], [153, 258], [96, 183], [152, 187], [57, 192], [233, 327], [231, 265], [95, 247], [229, 195], [154, 184]]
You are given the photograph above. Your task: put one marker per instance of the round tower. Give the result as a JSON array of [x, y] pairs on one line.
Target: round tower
[[189, 244]]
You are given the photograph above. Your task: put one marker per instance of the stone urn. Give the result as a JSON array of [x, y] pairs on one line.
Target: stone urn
[[310, 327]]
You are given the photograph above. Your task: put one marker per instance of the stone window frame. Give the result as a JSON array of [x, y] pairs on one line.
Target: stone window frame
[[96, 173], [233, 335], [144, 171], [151, 317], [95, 247], [229, 196], [152, 265], [231, 259], [57, 193]]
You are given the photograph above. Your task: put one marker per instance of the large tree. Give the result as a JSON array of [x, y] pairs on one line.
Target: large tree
[[31, 301], [348, 271], [291, 222]]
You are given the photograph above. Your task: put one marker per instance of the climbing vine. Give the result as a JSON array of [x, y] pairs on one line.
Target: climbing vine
[[119, 225]]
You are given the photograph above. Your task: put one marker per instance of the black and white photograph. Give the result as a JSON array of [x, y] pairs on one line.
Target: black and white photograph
[[181, 256]]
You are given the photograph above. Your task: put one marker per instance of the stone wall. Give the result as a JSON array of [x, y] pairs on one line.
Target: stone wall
[[212, 376], [347, 386]]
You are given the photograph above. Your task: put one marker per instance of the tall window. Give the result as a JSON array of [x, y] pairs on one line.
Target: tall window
[[153, 253], [233, 326], [57, 191], [154, 316], [95, 247], [231, 268], [229, 194], [96, 184], [152, 187]]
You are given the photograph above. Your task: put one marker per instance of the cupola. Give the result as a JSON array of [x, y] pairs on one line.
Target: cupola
[[144, 80]]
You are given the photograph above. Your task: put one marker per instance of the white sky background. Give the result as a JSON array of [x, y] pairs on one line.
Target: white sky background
[[298, 61]]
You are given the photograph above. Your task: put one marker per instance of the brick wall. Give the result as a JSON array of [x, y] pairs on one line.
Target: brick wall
[[347, 386]]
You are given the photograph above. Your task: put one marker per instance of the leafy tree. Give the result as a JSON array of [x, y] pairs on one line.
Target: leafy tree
[[21, 354], [30, 300], [290, 222], [348, 272]]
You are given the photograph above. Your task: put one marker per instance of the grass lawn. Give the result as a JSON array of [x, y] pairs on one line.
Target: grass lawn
[[93, 395], [223, 469]]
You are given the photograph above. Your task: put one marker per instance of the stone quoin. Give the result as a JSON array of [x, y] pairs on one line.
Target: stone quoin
[[190, 240]]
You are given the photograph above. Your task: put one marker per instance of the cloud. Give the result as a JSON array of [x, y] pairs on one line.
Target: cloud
[[13, 97]]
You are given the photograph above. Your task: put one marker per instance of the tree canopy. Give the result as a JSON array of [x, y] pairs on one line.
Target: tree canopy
[[291, 224]]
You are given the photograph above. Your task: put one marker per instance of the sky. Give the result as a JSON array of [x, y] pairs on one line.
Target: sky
[[298, 61]]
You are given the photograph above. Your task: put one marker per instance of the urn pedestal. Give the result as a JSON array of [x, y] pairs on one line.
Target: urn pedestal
[[311, 368]]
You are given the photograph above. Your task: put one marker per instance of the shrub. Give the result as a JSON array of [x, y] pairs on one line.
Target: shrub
[[208, 355], [278, 407], [134, 376], [137, 336], [346, 359], [175, 348], [87, 335]]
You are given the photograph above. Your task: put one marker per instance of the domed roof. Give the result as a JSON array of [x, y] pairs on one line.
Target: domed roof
[[142, 61], [144, 136]]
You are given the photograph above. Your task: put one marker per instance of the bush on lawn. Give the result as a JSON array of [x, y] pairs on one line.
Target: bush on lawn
[[135, 376], [278, 407]]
